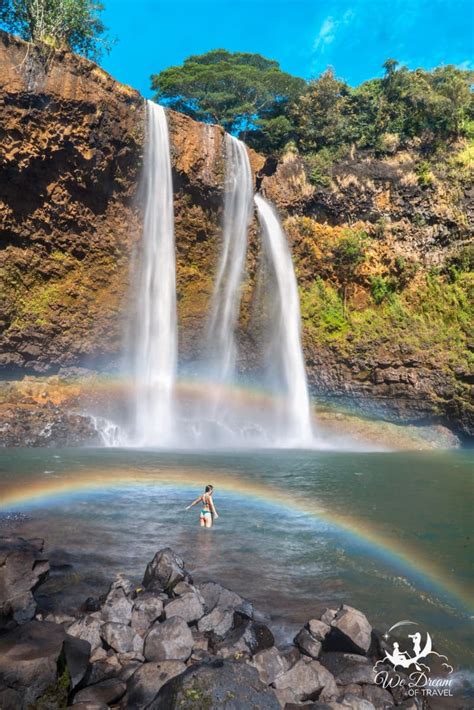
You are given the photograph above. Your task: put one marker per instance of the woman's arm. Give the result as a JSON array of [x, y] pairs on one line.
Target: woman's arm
[[195, 502], [213, 508]]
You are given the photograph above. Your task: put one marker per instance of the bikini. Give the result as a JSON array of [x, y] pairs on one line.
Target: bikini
[[205, 512]]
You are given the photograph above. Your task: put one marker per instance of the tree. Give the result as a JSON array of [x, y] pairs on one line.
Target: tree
[[240, 91], [348, 255], [71, 24]]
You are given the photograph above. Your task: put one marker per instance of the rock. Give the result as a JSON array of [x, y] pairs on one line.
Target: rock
[[308, 644], [9, 699], [269, 664], [103, 669], [349, 668], [23, 567], [146, 610], [106, 692], [216, 595], [189, 607], [352, 702], [353, 632], [379, 697], [165, 571], [328, 616], [121, 638], [170, 640], [243, 641], [144, 685], [88, 629], [215, 685], [305, 679], [118, 603], [219, 621], [318, 629], [29, 660]]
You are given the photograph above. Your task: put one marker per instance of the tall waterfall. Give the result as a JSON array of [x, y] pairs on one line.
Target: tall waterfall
[[155, 346], [285, 359], [226, 296]]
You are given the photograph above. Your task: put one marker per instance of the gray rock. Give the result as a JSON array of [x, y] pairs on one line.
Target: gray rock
[[269, 664], [146, 610], [89, 706], [23, 567], [219, 621], [88, 629], [144, 685], [351, 701], [9, 699], [118, 603], [305, 679], [184, 588], [327, 617], [318, 629], [189, 607], [243, 641], [29, 659], [354, 631], [349, 668], [379, 697], [308, 644], [104, 693], [215, 685], [105, 668], [171, 640], [216, 595], [165, 571], [121, 638]]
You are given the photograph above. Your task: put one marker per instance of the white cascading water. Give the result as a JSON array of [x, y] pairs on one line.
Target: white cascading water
[[226, 296], [293, 424], [155, 347]]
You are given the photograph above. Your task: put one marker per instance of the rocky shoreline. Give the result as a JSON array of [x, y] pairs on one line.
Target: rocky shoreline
[[171, 643]]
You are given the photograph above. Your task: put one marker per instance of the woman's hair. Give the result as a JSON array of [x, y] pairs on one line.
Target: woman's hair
[[209, 488]]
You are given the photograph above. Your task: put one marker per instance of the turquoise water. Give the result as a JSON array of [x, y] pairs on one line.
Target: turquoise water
[[393, 538]]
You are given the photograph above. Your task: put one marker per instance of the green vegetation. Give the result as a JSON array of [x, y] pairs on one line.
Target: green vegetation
[[250, 95], [347, 256], [70, 24], [240, 91]]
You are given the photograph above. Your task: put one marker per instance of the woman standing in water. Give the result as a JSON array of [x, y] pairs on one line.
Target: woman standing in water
[[208, 510]]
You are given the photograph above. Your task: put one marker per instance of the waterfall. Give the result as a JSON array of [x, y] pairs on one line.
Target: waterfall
[[285, 360], [226, 296], [155, 361]]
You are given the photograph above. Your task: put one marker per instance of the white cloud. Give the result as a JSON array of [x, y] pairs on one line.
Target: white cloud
[[329, 29]]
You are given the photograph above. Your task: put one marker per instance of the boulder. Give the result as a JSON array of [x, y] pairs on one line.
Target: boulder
[[318, 629], [215, 685], [243, 641], [144, 685], [217, 595], [349, 668], [103, 669], [32, 660], [308, 644], [118, 603], [104, 693], [307, 678], [350, 701], [165, 571], [352, 632], [328, 615], [189, 607], [269, 664], [9, 699], [170, 640], [219, 621], [23, 567], [88, 629], [121, 638], [146, 610], [379, 697]]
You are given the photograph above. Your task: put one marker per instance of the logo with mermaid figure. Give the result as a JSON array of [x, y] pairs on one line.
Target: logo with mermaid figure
[[412, 668]]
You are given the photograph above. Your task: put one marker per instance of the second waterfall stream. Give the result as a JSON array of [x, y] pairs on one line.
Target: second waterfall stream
[[160, 417]]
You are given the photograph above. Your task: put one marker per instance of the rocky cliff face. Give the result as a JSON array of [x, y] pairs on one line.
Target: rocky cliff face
[[71, 147]]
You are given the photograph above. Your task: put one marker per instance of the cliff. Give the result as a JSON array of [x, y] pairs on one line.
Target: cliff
[[70, 157]]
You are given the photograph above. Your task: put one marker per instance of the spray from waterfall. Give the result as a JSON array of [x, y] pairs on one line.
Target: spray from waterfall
[[155, 347], [285, 362], [226, 295]]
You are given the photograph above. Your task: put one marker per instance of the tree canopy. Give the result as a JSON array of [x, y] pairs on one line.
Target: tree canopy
[[240, 91], [72, 24]]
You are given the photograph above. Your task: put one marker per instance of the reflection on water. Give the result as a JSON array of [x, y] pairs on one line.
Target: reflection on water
[[264, 545]]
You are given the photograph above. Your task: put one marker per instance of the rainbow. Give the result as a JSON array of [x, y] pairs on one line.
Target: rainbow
[[20, 494]]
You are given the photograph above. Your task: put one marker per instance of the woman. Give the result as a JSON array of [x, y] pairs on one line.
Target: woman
[[208, 510]]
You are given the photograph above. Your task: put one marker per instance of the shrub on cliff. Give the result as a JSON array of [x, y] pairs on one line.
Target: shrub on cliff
[[70, 24]]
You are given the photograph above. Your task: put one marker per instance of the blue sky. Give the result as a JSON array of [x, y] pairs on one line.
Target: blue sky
[[305, 36]]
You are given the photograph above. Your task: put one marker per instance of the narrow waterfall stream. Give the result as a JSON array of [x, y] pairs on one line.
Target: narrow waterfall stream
[[285, 362], [155, 347], [226, 295]]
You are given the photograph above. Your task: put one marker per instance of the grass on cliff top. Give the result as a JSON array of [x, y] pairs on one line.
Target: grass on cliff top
[[432, 315]]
